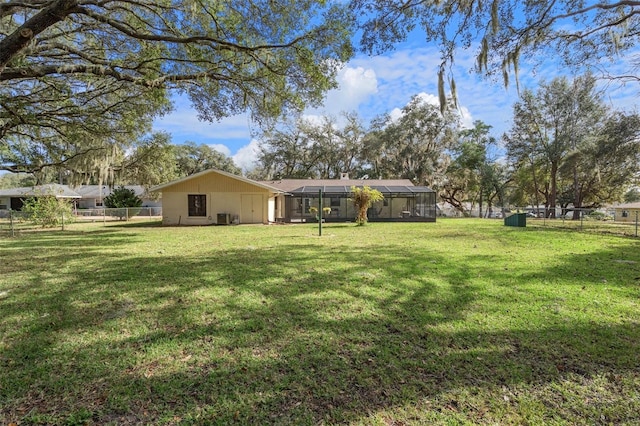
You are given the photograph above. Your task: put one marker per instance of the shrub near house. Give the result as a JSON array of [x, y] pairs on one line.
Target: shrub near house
[[126, 202], [47, 210]]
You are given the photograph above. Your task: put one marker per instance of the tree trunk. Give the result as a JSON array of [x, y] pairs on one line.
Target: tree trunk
[[11, 45]]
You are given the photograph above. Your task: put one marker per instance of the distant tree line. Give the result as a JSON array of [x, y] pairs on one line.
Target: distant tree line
[[566, 147], [423, 144], [414, 146], [152, 161]]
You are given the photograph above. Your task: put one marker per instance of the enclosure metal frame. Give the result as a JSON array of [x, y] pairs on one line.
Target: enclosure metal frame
[[400, 204]]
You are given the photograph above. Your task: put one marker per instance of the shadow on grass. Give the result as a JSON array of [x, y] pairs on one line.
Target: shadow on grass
[[137, 224], [291, 335], [72, 238]]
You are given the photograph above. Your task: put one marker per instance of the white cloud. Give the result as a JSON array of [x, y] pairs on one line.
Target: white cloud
[[466, 120], [246, 156], [356, 85], [429, 99], [223, 149], [395, 114], [408, 65], [465, 115], [400, 75], [315, 119]]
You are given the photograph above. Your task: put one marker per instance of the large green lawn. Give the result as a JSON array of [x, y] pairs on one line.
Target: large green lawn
[[454, 322]]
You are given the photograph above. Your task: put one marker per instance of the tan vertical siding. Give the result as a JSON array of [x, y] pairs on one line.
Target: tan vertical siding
[[631, 214], [224, 196], [213, 182]]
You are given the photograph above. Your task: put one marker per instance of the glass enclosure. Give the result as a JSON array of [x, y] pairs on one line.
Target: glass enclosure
[[403, 203]]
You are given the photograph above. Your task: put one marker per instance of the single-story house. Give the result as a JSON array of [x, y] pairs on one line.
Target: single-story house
[[217, 197], [93, 196], [13, 199], [627, 212], [87, 198]]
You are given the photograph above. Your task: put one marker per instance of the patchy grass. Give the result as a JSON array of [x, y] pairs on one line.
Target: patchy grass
[[457, 322], [588, 224]]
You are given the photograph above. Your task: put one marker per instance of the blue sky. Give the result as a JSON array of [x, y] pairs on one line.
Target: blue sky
[[374, 85]]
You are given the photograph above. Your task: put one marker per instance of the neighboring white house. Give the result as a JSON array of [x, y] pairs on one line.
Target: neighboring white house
[[93, 196], [85, 196], [13, 198]]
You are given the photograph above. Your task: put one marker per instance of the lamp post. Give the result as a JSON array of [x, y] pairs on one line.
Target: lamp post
[[320, 213]]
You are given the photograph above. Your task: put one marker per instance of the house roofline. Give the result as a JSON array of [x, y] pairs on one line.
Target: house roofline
[[635, 205], [49, 189], [223, 173]]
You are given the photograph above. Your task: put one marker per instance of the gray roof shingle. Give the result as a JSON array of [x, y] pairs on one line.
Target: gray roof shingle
[[60, 191]]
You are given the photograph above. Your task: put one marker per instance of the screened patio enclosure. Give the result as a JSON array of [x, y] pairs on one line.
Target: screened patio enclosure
[[400, 204]]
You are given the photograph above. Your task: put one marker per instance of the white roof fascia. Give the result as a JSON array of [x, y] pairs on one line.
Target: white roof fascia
[[227, 174]]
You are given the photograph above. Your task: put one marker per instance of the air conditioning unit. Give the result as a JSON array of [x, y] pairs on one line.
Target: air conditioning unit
[[224, 219]]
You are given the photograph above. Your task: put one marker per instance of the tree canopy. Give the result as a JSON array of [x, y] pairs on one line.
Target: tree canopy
[[80, 79], [192, 158], [303, 148], [472, 175], [581, 33], [156, 160], [574, 148], [412, 146]]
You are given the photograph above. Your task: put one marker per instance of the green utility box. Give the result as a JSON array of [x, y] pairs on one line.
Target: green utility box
[[516, 219]]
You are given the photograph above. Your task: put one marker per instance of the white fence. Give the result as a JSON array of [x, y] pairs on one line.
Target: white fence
[[129, 213], [569, 213], [12, 222]]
